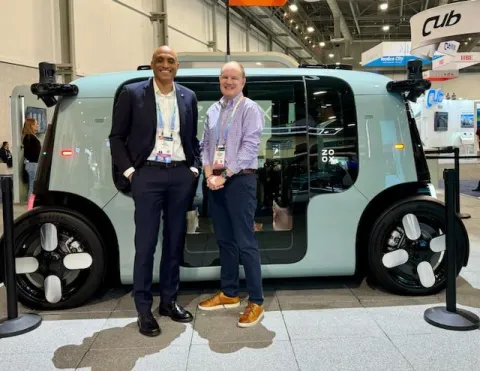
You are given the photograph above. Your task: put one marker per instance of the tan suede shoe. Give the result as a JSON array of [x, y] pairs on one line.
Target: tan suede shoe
[[252, 314], [219, 301]]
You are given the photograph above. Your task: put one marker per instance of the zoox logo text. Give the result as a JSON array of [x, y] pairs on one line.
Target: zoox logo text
[[449, 19]]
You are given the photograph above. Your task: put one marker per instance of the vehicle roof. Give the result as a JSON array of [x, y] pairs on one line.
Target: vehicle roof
[[106, 84]]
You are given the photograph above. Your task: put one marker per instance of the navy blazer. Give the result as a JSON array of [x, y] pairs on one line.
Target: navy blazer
[[134, 126]]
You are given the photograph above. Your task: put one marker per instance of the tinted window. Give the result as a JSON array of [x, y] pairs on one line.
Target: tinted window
[[282, 185], [333, 143]]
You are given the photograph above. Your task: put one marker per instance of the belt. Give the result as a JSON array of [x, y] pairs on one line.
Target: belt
[[241, 172], [165, 165]]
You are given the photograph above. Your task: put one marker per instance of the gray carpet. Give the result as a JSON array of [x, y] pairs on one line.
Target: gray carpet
[[466, 187]]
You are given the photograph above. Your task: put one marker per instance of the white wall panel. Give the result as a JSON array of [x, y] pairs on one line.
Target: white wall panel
[[466, 86], [10, 77], [111, 37], [27, 29], [181, 42], [192, 17], [277, 48]]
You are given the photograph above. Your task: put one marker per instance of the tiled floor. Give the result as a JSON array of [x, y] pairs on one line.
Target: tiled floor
[[309, 325]]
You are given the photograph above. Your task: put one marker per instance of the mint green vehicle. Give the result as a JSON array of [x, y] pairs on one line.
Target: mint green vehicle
[[343, 187]]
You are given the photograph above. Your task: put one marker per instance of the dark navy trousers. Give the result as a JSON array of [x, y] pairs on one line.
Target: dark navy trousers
[[157, 190], [233, 212]]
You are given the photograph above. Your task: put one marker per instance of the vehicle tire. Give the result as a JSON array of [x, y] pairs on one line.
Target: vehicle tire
[[409, 227], [49, 236]]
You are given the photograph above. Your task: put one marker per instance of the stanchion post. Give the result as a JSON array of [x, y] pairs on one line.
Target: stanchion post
[[14, 324], [451, 199], [450, 317], [456, 154], [9, 263]]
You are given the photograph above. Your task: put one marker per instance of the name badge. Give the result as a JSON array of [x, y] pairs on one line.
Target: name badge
[[165, 149], [219, 158]]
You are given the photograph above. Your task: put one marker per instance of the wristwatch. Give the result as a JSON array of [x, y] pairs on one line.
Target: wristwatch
[[225, 175]]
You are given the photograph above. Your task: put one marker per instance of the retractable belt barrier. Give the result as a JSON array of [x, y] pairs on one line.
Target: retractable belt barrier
[[450, 317], [14, 324], [456, 164]]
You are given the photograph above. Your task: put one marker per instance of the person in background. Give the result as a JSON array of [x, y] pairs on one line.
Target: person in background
[[231, 144], [6, 155], [31, 150]]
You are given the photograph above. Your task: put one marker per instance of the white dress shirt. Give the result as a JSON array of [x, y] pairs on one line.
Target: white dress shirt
[[167, 103]]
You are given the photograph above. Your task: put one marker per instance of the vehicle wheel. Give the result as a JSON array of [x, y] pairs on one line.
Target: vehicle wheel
[[60, 260], [407, 248]]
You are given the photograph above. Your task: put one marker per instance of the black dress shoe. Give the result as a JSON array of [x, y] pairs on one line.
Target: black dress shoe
[[148, 325], [175, 312]]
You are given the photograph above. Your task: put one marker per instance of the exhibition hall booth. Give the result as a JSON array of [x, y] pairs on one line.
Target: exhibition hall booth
[[443, 117], [444, 122]]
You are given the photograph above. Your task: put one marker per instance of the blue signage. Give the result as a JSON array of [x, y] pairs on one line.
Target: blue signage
[[397, 61], [433, 97]]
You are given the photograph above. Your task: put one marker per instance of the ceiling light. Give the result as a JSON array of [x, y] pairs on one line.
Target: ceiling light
[[291, 20], [322, 44], [469, 39], [293, 8], [310, 29], [338, 63], [331, 55], [383, 6], [386, 28], [296, 27]]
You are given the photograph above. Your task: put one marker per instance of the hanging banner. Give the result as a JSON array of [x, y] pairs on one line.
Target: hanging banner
[[448, 47], [390, 54], [443, 23], [456, 62], [258, 2], [440, 75]]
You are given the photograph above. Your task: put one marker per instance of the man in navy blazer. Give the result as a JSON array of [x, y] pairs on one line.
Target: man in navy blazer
[[155, 148]]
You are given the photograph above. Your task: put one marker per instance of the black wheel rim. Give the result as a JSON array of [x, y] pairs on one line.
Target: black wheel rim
[[70, 240], [419, 250]]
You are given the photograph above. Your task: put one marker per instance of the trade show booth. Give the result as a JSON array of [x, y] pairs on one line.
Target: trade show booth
[[445, 122]]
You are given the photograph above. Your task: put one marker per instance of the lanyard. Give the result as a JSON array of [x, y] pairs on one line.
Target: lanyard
[[161, 123], [229, 121]]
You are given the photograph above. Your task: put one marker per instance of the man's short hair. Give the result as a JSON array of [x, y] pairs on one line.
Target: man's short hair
[[238, 64]]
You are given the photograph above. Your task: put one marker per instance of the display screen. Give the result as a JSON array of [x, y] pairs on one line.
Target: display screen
[[441, 121]]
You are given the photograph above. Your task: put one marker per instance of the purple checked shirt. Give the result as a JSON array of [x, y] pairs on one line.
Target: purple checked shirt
[[244, 133]]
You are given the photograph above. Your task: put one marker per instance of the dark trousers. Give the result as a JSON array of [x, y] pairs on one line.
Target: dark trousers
[[155, 190], [233, 211]]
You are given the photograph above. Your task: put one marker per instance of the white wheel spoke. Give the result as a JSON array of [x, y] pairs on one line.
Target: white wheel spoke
[[48, 237], [53, 289], [75, 261], [425, 273], [438, 244], [395, 258], [411, 226], [26, 265]]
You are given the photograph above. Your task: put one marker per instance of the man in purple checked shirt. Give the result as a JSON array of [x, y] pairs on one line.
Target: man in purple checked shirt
[[231, 142]]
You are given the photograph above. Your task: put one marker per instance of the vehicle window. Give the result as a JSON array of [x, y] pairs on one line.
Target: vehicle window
[[283, 167], [282, 188], [333, 139]]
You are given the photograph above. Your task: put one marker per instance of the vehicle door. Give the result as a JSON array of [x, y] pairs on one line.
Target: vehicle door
[[282, 175]]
